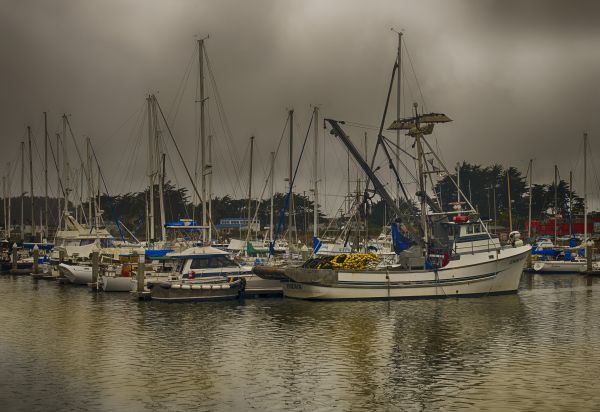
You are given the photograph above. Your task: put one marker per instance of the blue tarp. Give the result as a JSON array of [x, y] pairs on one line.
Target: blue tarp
[[400, 242], [545, 252], [157, 253], [316, 244]]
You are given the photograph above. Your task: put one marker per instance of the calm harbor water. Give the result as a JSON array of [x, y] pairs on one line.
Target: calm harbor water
[[64, 348]]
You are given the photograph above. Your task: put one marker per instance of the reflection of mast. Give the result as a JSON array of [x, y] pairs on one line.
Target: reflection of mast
[[530, 196]]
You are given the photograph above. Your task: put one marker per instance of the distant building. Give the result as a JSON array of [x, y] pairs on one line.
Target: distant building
[[237, 223]]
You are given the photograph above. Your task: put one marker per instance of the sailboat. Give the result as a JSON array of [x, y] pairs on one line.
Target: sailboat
[[567, 259], [438, 256]]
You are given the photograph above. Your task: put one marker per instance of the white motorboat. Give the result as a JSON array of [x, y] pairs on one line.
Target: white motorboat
[[76, 274], [560, 266]]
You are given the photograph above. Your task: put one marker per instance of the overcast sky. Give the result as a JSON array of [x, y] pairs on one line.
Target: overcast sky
[[520, 79]]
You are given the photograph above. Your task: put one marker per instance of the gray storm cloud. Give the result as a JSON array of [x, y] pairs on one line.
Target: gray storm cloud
[[519, 78]]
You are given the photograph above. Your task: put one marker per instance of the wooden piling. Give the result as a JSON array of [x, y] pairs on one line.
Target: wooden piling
[[15, 251], [36, 258], [140, 293], [94, 285]]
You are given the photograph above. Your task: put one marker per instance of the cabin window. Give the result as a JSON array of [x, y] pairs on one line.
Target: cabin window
[[211, 263], [470, 229], [106, 243], [85, 242]]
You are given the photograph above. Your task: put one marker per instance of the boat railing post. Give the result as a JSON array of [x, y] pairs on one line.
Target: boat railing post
[[15, 251], [36, 257], [94, 284]]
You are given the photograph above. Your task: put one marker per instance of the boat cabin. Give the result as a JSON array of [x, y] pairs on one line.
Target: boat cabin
[[205, 261], [472, 237]]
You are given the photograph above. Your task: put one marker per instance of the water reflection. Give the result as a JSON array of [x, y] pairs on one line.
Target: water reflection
[[66, 348]]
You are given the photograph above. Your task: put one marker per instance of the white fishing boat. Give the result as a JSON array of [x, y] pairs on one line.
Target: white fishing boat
[[440, 253]]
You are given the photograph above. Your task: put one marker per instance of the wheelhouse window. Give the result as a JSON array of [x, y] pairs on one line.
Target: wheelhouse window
[[213, 262]]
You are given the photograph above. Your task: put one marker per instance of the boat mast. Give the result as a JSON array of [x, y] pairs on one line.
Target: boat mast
[[585, 146], [315, 175], [31, 183], [272, 190], [202, 135], [161, 196], [90, 177], [422, 182], [555, 202], [209, 172], [150, 169], [571, 202], [530, 196], [398, 101], [58, 182], [45, 229], [510, 225], [22, 191], [250, 188], [8, 192], [65, 167], [290, 177], [4, 203]]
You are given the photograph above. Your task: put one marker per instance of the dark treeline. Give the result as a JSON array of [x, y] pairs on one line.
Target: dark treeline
[[486, 186]]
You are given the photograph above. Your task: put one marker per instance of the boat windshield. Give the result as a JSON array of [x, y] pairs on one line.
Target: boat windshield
[[212, 262]]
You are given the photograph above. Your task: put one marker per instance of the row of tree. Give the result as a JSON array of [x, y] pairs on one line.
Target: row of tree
[[485, 186]]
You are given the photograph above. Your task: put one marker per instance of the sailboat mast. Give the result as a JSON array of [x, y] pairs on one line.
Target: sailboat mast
[[316, 175], [65, 170], [398, 101], [272, 190], [150, 168], [530, 196], [570, 202], [209, 171], [161, 189], [4, 202], [8, 192], [250, 187], [90, 177], [555, 202], [510, 225], [202, 136], [58, 183], [31, 183], [45, 229], [290, 177], [585, 146], [22, 191]]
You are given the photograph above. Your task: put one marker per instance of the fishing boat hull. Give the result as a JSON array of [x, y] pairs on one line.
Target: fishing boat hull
[[76, 274], [557, 266], [194, 292], [494, 272]]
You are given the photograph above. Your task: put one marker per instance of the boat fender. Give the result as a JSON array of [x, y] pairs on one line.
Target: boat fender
[[176, 286], [149, 285], [196, 287], [186, 286], [226, 286], [165, 285]]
